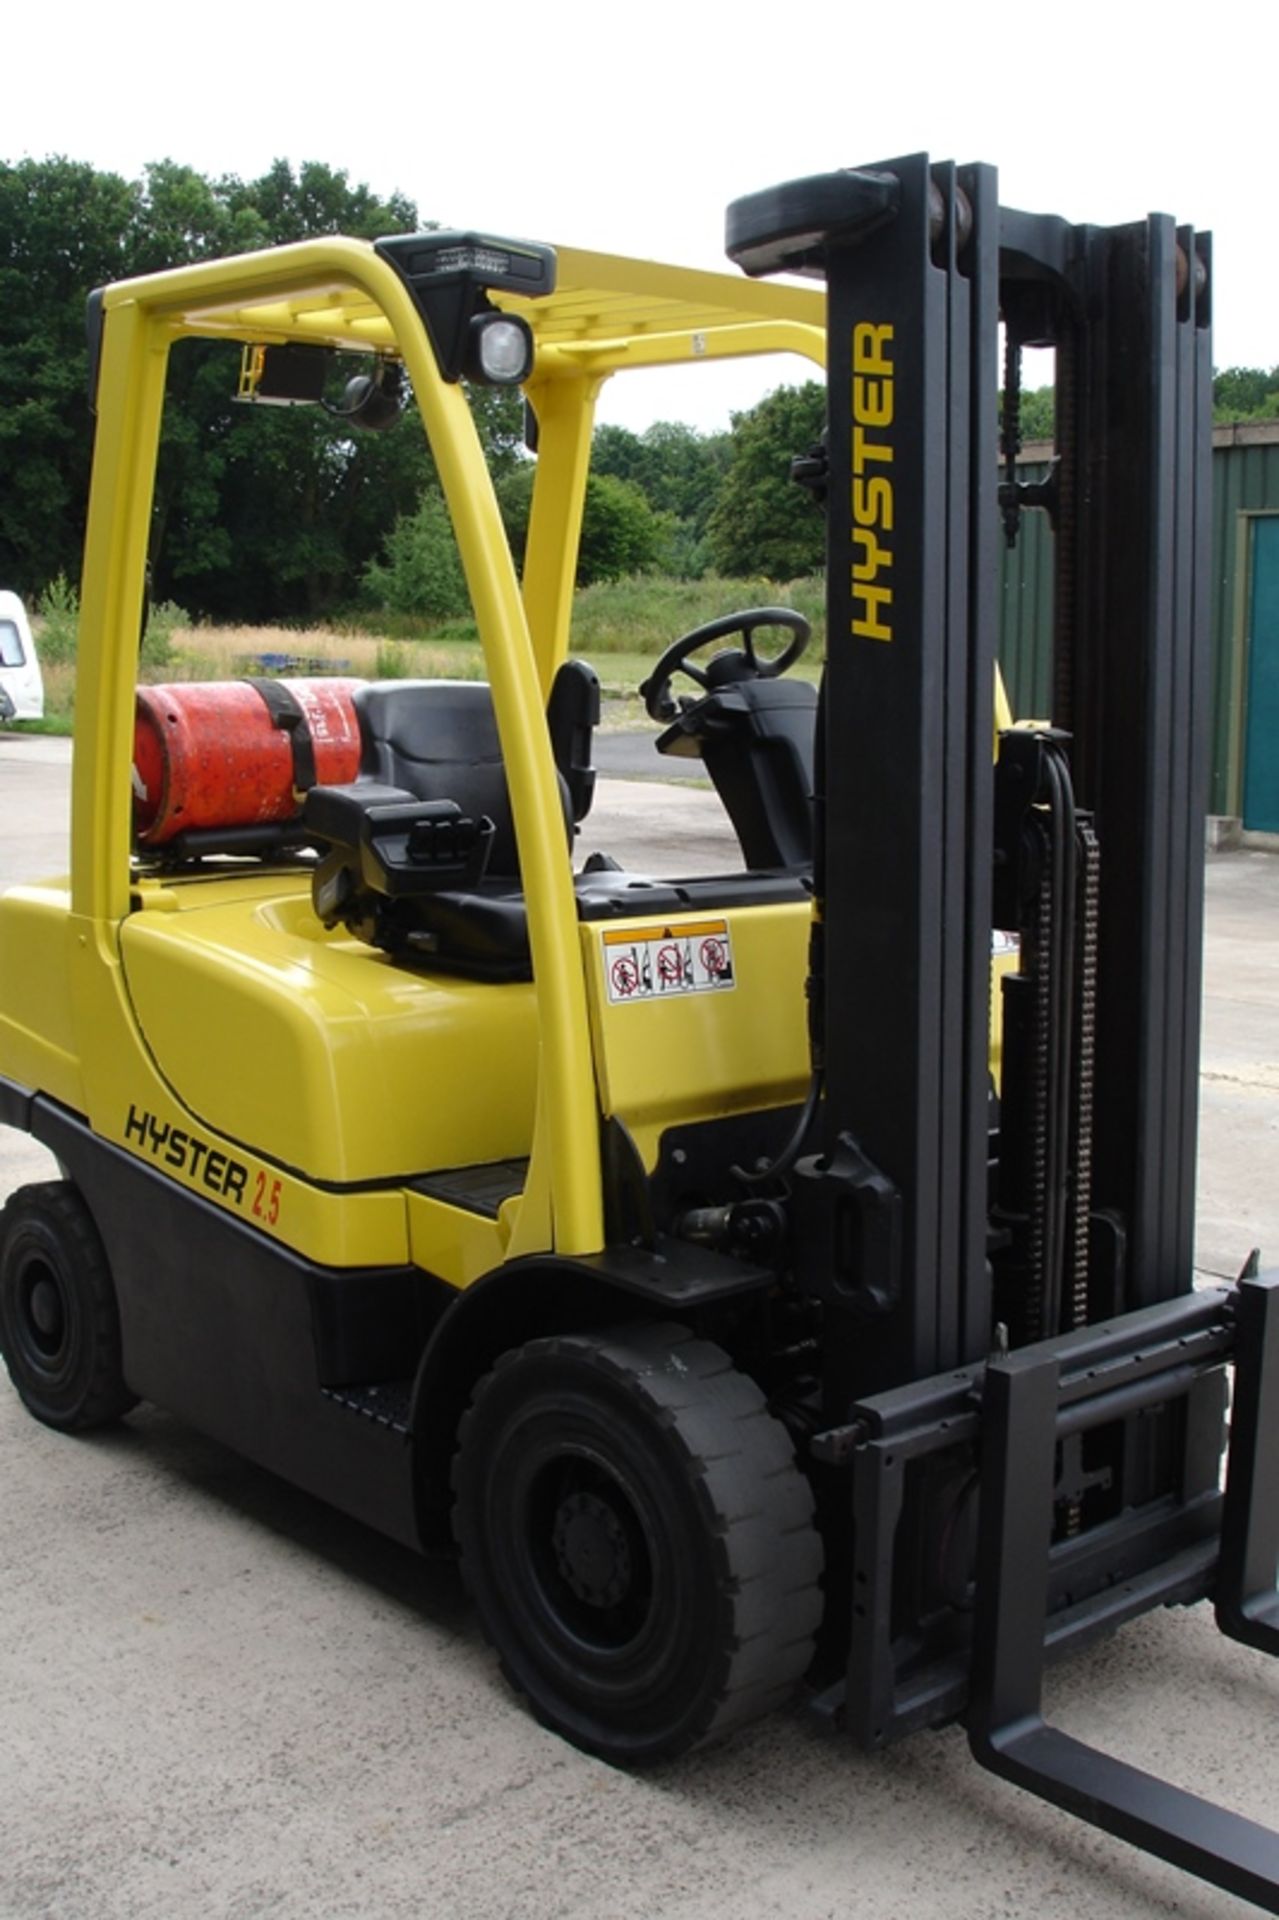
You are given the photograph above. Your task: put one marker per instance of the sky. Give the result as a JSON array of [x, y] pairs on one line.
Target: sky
[[630, 131]]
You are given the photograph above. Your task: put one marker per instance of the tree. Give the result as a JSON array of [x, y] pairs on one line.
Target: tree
[[422, 573], [762, 522], [1245, 394], [1036, 414], [299, 500], [679, 471], [498, 413], [683, 470], [64, 229], [621, 533], [1239, 394], [317, 199]]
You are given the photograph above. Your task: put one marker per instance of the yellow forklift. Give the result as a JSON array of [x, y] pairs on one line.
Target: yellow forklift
[[660, 1240]]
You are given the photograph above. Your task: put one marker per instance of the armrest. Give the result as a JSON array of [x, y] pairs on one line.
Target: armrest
[[385, 841], [336, 814]]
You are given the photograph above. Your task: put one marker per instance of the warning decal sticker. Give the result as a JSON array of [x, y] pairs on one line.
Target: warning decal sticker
[[661, 963]]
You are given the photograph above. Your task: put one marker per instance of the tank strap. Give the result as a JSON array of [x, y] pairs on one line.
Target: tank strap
[[288, 714]]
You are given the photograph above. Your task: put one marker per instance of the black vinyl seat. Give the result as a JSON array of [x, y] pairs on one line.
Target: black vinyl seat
[[422, 852], [757, 741], [437, 740]]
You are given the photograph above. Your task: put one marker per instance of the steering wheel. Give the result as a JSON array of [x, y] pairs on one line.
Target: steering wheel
[[725, 668]]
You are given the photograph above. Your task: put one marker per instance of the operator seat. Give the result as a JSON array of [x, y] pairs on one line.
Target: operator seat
[[757, 740], [422, 854]]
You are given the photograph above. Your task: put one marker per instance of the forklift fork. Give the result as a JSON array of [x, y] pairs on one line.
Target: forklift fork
[[1247, 1602], [998, 1437], [1022, 1419]]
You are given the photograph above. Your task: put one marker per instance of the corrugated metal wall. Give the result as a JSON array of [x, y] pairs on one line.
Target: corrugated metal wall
[[1245, 479], [1245, 476], [1026, 608]]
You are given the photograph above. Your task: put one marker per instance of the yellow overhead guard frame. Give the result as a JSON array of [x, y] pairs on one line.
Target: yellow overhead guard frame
[[606, 315]]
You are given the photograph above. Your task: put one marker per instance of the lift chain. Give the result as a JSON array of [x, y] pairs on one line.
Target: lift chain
[[1038, 955], [1089, 864]]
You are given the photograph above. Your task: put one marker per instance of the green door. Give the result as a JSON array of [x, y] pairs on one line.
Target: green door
[[1261, 736]]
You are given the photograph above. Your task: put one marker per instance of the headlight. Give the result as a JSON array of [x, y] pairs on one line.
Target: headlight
[[501, 350]]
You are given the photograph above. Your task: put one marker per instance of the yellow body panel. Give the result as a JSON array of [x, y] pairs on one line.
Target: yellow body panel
[[317, 1050], [452, 1242], [664, 1060], [37, 1035], [128, 1102]]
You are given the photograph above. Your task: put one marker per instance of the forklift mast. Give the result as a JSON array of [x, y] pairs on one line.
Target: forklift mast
[[921, 264], [1027, 1388]]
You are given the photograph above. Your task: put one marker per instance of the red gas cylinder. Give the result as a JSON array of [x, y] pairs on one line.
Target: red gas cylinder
[[235, 753]]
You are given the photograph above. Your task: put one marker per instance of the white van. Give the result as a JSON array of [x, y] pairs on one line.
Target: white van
[[21, 687]]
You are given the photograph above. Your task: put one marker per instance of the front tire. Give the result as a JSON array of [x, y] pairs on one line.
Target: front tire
[[638, 1539], [59, 1324]]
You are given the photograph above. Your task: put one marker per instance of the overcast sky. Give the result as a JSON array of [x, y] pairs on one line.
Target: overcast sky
[[631, 130]]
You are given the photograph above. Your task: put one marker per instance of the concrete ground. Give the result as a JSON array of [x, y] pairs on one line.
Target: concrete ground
[[219, 1698]]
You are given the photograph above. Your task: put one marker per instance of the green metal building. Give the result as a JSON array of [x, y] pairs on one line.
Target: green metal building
[[1245, 621]]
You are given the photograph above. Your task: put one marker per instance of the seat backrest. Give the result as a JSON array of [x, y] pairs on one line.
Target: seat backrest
[[438, 740], [763, 768]]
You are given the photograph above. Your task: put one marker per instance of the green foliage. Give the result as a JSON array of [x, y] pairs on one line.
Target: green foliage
[[163, 621], [679, 470], [1239, 394], [58, 609], [643, 614], [498, 413], [1036, 414], [393, 662], [422, 573], [1244, 394], [317, 199], [762, 522], [685, 554], [515, 501], [64, 229], [621, 533]]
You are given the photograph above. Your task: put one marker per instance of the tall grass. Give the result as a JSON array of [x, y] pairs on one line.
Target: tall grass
[[645, 613], [223, 653], [621, 625]]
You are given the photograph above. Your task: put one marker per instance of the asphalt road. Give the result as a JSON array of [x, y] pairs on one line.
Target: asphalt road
[[219, 1698], [631, 754]]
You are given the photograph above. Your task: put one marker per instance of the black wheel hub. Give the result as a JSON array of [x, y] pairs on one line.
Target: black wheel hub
[[592, 1553], [46, 1313]]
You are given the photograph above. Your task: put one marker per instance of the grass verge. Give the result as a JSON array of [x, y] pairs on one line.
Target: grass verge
[[620, 626]]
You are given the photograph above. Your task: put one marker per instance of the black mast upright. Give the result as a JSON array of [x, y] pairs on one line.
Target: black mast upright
[[920, 262], [895, 1205], [1131, 686]]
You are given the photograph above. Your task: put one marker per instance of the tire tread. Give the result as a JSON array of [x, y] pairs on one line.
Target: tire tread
[[738, 1462], [57, 1207]]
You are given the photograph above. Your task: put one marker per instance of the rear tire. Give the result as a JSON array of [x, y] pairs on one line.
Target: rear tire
[[59, 1324], [638, 1539]]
